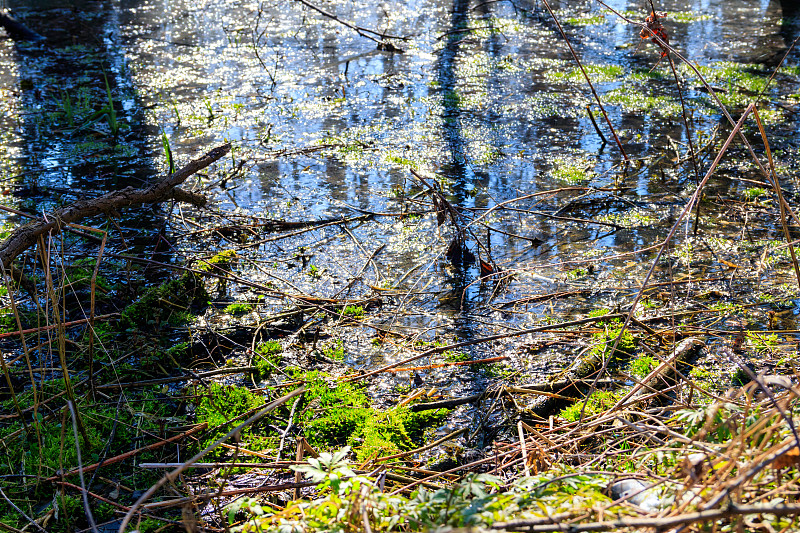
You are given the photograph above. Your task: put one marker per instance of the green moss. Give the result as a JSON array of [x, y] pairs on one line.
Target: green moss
[[452, 356], [741, 81], [598, 402], [28, 318], [220, 404], [634, 100], [687, 16], [355, 311], [392, 431], [604, 340], [645, 75], [585, 19], [403, 162], [597, 73], [331, 413], [339, 414], [380, 434], [762, 342], [70, 512], [239, 309], [269, 347], [5, 230], [170, 303], [334, 350], [222, 261], [700, 374], [577, 273], [753, 193], [630, 218], [50, 446], [267, 357], [80, 273], [149, 525], [642, 366], [416, 424], [7, 322], [572, 170]]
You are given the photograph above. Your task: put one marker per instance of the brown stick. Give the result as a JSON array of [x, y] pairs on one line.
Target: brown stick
[[524, 449], [452, 363], [26, 236], [281, 465], [298, 457], [471, 342], [660, 524], [172, 476], [452, 435], [131, 453], [93, 495], [235, 492], [53, 326]]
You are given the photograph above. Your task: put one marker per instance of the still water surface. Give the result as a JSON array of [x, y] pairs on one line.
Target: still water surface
[[485, 99]]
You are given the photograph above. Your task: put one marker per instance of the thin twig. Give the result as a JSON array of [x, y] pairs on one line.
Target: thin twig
[[363, 32], [86, 508], [172, 476], [588, 80]]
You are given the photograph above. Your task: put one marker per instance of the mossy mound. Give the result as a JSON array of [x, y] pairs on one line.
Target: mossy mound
[[172, 303], [330, 415], [220, 404], [339, 414]]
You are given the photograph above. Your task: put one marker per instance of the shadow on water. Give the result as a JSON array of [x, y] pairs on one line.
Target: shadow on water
[[458, 169], [83, 131], [484, 97], [790, 22]]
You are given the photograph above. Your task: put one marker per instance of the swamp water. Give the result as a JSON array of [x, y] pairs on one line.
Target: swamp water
[[486, 104]]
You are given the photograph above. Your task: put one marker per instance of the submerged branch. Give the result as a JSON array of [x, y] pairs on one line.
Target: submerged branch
[[372, 35]]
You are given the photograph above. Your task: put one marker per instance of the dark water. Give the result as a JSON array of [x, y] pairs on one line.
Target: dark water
[[485, 100]]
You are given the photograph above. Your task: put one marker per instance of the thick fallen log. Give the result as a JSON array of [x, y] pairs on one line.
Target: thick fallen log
[[663, 376], [26, 236]]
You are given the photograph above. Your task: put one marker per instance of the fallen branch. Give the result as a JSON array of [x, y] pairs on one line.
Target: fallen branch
[[452, 435], [446, 404], [131, 453], [450, 363], [170, 478], [660, 523], [367, 33], [17, 30], [663, 376], [42, 329], [26, 236], [179, 502]]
